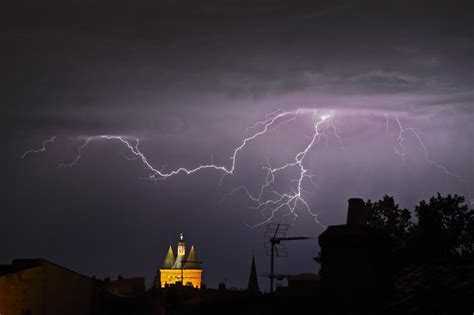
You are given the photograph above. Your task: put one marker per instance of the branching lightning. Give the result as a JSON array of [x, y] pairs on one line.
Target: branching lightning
[[268, 200], [43, 148], [401, 150], [291, 200]]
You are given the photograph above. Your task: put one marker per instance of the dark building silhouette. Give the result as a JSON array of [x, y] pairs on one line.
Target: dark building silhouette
[[252, 286], [353, 261], [304, 283], [362, 273], [434, 288], [126, 296], [130, 287], [38, 286]]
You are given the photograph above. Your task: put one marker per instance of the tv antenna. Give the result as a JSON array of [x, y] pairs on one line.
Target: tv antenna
[[276, 234]]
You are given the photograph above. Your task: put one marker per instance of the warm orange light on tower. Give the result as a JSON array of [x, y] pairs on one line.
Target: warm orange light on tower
[[180, 269]]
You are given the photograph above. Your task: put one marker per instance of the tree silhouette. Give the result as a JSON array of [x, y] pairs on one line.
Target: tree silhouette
[[445, 227], [388, 220]]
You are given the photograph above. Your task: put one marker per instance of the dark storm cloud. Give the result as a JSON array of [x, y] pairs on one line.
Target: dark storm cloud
[[188, 77]]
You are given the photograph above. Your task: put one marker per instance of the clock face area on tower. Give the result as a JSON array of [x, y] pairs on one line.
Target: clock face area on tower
[[179, 270]]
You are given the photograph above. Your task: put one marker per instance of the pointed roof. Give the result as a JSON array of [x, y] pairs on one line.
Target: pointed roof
[[178, 262], [169, 259], [192, 261], [253, 281]]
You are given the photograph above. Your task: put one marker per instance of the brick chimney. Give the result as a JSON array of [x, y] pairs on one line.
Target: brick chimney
[[356, 213]]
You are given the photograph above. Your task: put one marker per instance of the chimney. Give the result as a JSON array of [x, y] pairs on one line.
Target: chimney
[[356, 213]]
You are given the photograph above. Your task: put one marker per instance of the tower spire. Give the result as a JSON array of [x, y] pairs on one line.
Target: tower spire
[[169, 259], [192, 261], [253, 281]]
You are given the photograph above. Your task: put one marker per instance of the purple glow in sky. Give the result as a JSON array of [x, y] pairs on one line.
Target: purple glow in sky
[[188, 80]]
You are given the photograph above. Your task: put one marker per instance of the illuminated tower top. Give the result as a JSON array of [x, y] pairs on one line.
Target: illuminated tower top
[[179, 270], [178, 264]]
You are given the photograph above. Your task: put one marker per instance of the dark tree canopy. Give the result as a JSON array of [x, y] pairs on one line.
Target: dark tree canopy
[[385, 217], [445, 226]]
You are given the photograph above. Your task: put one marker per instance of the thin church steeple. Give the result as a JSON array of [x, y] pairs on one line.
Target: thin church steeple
[[253, 281]]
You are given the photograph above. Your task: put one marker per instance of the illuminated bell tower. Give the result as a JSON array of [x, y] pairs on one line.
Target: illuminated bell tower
[[178, 264], [181, 246], [187, 272]]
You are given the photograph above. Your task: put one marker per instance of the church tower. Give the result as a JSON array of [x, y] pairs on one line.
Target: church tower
[[179, 270]]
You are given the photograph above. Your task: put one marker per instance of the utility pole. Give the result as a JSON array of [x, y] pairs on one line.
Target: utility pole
[[272, 275]]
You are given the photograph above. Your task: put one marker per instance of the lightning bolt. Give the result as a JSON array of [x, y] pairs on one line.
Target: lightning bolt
[[268, 201], [289, 201], [79, 154], [272, 121], [401, 150], [42, 149]]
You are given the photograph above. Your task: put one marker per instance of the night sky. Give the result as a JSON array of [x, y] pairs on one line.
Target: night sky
[[188, 78]]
